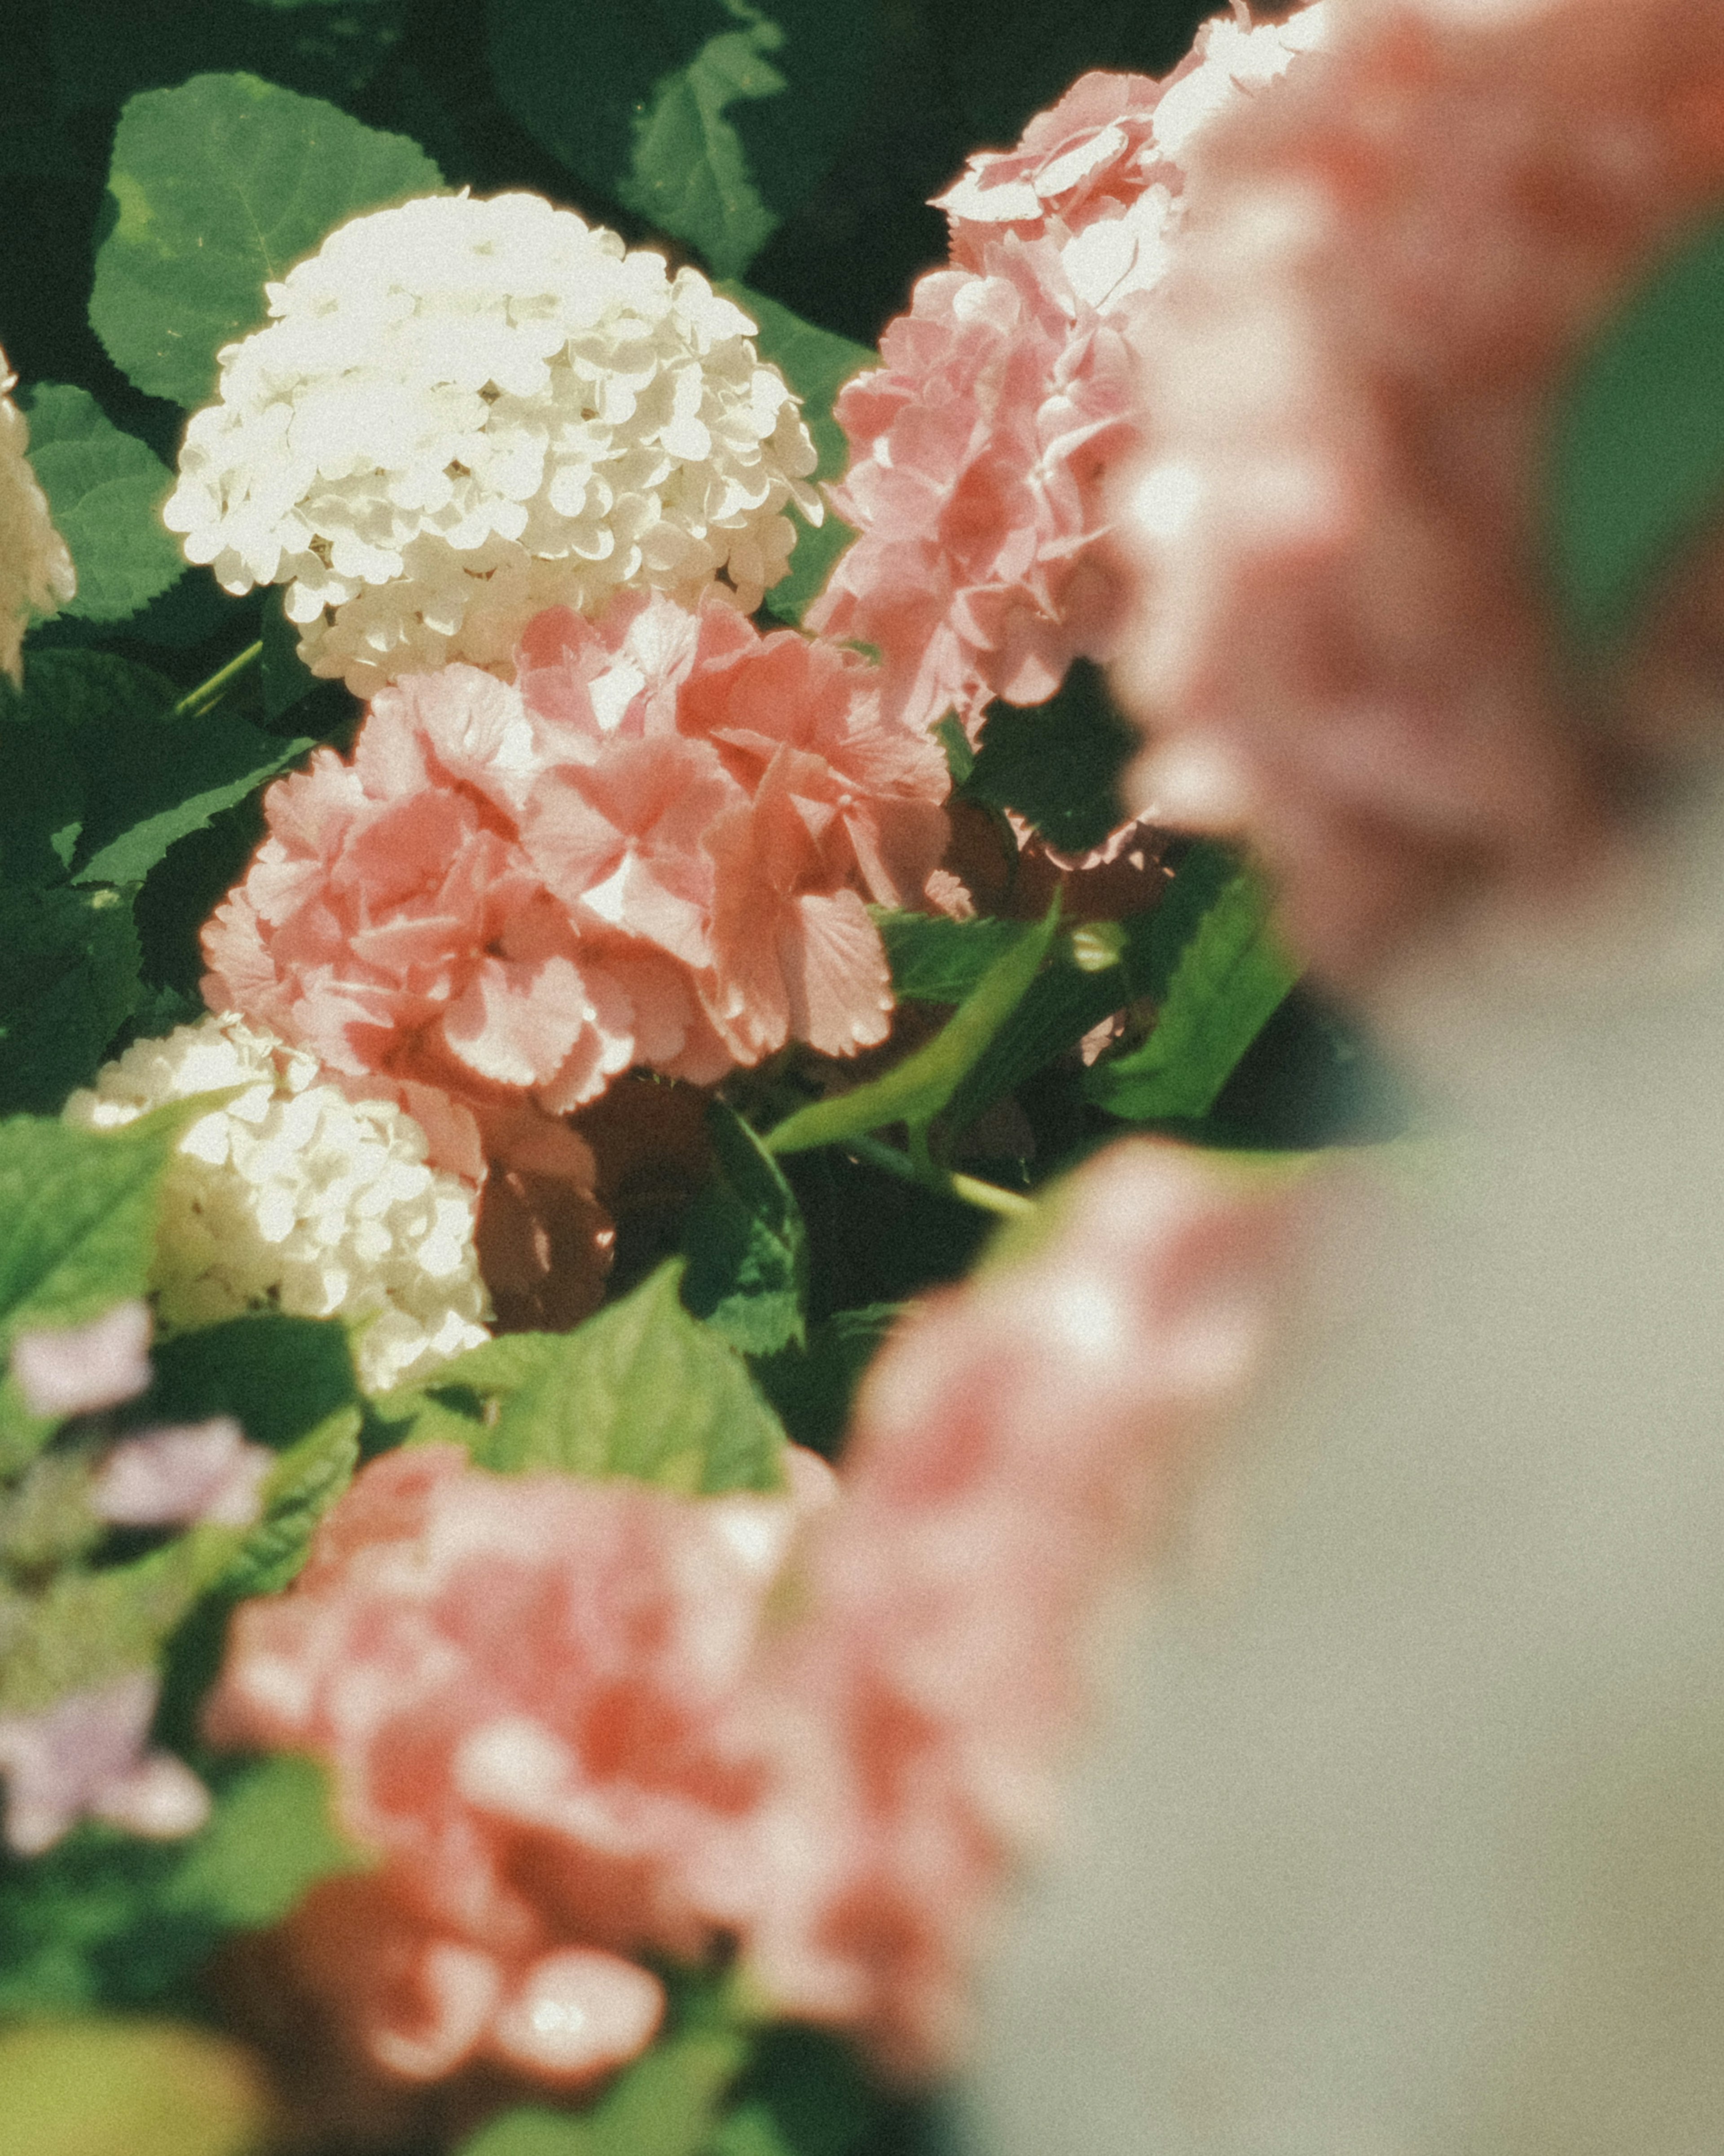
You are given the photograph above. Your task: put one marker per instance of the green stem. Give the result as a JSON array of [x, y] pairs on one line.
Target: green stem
[[968, 1189], [197, 701]]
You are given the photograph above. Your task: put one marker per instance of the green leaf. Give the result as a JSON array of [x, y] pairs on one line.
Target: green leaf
[[1231, 979], [304, 1483], [105, 491], [812, 1387], [77, 1217], [1636, 459], [641, 1389], [805, 2092], [747, 1248], [816, 363], [69, 975], [710, 119], [936, 960], [88, 1628], [106, 1919], [94, 746], [219, 186], [915, 1090], [280, 1376], [127, 2088], [269, 1840], [1058, 763], [665, 2104]]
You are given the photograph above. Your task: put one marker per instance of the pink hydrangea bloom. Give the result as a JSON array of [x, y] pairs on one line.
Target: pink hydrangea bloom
[[84, 1756], [85, 1367], [1341, 640], [1007, 1451], [521, 1684], [202, 1472], [652, 848], [980, 452]]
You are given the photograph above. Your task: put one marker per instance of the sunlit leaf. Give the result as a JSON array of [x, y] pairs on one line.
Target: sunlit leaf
[[1231, 977], [218, 186]]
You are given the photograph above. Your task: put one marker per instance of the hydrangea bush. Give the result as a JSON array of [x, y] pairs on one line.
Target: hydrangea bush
[[577, 904]]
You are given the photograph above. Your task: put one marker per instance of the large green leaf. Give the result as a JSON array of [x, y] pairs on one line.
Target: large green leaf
[[77, 1217], [710, 119], [665, 2104], [915, 1090], [219, 186], [106, 1919], [1231, 977], [69, 977], [1636, 462], [746, 1244], [269, 1838], [94, 755], [643, 1388], [936, 960], [104, 491], [816, 363], [281, 1376], [1058, 763]]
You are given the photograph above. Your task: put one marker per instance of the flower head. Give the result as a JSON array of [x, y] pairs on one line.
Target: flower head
[[84, 1756], [296, 1197], [981, 451], [465, 411], [651, 847], [521, 1684], [1008, 1446], [36, 572], [1342, 638], [84, 1368]]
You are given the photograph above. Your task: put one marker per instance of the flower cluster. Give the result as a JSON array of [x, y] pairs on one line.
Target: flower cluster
[[294, 1197], [36, 572], [466, 411], [83, 1751], [522, 1686], [1342, 638], [650, 848], [579, 1726], [1008, 1451], [981, 451]]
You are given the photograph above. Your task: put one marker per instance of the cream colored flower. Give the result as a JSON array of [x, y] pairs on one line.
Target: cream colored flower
[[36, 572], [293, 1197], [466, 411]]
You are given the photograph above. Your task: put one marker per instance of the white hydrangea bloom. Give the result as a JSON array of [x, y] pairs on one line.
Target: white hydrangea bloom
[[36, 572], [465, 411], [294, 1197]]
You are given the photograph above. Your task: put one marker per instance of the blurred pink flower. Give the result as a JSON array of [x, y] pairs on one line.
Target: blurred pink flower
[[85, 1367], [520, 891], [195, 1472], [521, 1684], [83, 1755], [1008, 1451], [981, 449], [1341, 640]]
